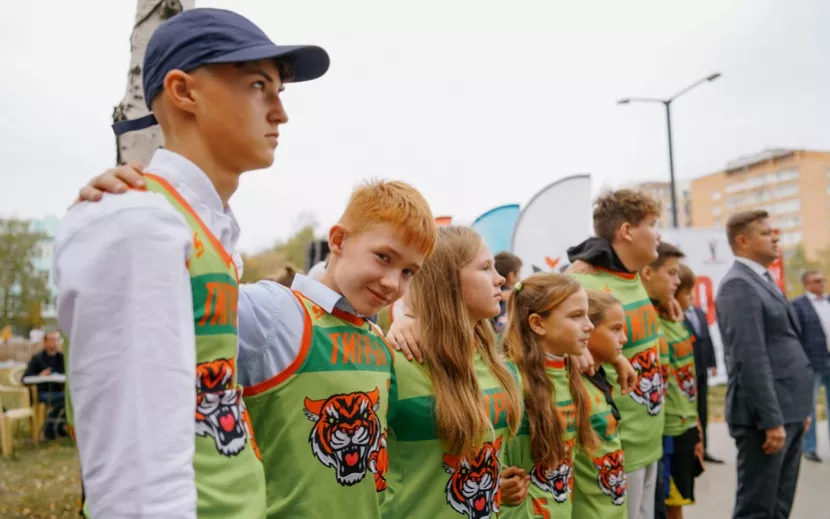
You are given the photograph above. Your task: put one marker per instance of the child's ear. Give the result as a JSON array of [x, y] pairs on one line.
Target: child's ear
[[646, 273], [337, 234], [537, 324]]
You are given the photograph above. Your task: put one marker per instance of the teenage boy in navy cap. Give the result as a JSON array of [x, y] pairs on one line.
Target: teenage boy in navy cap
[[148, 284]]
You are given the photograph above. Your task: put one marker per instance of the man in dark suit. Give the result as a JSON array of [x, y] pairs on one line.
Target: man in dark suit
[[813, 309], [705, 361], [770, 386]]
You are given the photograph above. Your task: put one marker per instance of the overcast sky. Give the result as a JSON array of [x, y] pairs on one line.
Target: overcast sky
[[477, 103]]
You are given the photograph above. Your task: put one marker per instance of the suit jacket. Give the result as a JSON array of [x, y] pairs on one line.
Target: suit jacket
[[770, 382], [704, 349], [812, 334]]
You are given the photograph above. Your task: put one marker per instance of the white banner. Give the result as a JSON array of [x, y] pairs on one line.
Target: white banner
[[556, 218]]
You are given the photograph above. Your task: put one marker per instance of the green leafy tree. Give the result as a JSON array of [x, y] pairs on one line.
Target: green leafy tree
[[289, 252], [22, 286]]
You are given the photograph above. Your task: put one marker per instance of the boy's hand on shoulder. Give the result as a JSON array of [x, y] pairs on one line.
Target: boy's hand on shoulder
[[626, 375], [404, 335], [584, 363], [116, 180]]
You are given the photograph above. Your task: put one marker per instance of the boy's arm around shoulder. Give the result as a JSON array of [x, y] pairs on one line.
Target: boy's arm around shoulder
[[124, 300], [271, 331]]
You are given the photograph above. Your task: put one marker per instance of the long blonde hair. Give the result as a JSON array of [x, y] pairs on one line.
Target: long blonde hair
[[462, 416], [540, 294]]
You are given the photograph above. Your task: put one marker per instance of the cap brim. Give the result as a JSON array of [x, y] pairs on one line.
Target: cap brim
[[310, 62]]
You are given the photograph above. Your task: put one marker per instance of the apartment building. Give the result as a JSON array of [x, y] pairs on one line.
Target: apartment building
[[662, 192], [793, 185]]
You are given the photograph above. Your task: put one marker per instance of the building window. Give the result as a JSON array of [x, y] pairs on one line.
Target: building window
[[786, 190], [791, 238], [716, 211], [716, 195], [787, 174], [790, 206]]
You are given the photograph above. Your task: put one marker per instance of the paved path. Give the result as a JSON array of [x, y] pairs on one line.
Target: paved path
[[715, 489]]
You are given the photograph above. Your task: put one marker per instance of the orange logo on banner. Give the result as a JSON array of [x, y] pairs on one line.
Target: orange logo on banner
[[777, 269]]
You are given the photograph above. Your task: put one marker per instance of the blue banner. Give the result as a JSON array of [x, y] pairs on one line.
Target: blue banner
[[496, 227]]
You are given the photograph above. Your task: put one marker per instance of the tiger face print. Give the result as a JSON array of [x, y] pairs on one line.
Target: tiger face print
[[685, 377], [346, 434], [649, 388], [473, 487], [611, 477], [559, 480], [219, 407]]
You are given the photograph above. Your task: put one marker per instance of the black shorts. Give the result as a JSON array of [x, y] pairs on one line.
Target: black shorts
[[684, 468]]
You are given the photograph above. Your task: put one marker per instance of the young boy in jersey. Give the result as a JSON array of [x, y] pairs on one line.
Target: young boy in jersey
[[626, 241], [661, 279], [148, 288], [317, 374], [509, 266]]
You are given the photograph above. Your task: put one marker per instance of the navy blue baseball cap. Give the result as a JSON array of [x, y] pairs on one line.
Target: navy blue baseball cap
[[204, 36]]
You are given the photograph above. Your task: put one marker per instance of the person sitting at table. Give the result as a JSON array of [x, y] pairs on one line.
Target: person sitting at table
[[47, 362]]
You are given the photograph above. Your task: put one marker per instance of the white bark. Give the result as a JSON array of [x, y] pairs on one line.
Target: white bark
[[140, 145]]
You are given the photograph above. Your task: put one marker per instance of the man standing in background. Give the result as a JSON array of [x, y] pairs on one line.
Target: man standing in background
[[813, 309], [770, 385], [705, 361]]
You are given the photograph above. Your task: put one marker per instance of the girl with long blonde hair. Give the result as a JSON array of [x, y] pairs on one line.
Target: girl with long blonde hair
[[548, 322], [455, 413]]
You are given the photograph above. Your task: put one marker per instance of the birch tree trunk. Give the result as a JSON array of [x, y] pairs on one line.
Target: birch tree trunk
[[140, 145]]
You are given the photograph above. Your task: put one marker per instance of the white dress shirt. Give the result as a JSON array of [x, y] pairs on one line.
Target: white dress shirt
[[124, 299], [822, 307], [271, 323]]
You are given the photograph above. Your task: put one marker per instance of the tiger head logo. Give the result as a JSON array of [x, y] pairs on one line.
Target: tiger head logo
[[473, 487], [686, 382], [611, 477], [219, 407], [649, 388], [346, 433], [559, 480]]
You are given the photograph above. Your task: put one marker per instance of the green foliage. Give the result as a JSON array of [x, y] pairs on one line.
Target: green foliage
[[22, 287], [289, 252]]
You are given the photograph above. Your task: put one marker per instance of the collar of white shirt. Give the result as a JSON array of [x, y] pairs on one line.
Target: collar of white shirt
[[327, 298], [816, 299], [197, 189], [754, 265]]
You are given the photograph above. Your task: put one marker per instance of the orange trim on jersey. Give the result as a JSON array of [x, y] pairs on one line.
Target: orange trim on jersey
[[292, 368], [213, 240], [624, 275], [555, 363], [349, 318]]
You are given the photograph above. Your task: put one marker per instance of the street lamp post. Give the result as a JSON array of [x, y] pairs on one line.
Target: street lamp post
[[667, 103]]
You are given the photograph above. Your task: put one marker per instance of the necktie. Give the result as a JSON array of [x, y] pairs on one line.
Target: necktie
[[768, 277]]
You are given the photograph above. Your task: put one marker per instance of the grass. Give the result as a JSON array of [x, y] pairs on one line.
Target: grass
[[42, 482]]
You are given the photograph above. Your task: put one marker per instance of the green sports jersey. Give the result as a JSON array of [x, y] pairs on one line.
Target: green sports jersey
[[599, 478], [323, 420], [550, 493], [641, 411], [681, 395], [426, 481], [230, 483]]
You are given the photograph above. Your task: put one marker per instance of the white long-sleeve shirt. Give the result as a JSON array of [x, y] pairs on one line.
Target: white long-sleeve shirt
[[124, 299]]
